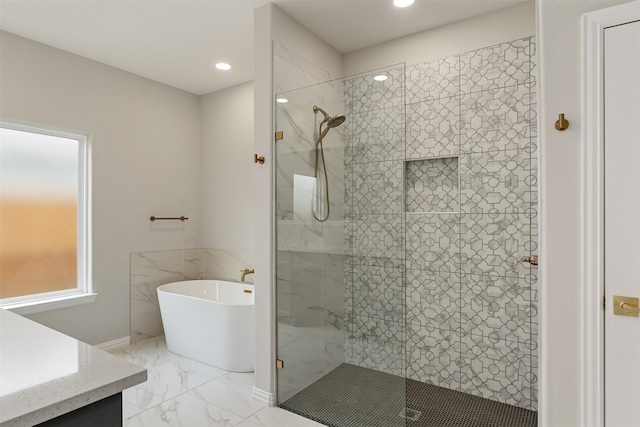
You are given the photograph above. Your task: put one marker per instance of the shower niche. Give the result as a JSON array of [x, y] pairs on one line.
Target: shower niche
[[432, 185]]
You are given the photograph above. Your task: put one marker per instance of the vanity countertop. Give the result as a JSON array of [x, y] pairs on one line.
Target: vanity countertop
[[44, 373]]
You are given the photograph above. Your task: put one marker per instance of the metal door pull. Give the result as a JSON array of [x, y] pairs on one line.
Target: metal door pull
[[625, 306], [628, 307]]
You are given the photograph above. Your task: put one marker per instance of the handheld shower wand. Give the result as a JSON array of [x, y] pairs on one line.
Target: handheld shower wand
[[330, 122]]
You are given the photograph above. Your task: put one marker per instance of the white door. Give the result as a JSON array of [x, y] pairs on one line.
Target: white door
[[622, 221]]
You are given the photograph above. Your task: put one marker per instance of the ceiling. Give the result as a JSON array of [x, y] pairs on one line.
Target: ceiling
[[178, 42]]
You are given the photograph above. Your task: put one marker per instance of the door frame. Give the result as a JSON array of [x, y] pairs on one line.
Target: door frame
[[592, 227]]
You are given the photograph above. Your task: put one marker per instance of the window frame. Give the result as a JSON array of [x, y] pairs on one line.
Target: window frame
[[83, 292]]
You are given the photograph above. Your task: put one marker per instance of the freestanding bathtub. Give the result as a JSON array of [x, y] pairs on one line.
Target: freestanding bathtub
[[210, 321]]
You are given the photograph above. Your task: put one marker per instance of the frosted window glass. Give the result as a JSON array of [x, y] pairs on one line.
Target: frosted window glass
[[38, 213]]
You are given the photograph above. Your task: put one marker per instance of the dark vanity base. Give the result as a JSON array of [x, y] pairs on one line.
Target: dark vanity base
[[103, 413]]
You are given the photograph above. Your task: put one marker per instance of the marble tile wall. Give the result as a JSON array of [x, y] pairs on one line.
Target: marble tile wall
[[296, 154], [310, 305], [455, 270], [149, 270]]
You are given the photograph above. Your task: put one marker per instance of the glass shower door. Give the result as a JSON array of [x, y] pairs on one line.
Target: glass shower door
[[310, 236], [340, 260]]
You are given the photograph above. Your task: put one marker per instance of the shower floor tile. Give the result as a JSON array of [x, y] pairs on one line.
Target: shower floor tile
[[351, 396]]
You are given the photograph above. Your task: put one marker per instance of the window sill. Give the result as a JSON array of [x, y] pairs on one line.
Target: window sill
[[30, 307]]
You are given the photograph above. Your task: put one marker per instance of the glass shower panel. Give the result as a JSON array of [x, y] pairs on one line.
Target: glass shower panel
[[340, 261], [310, 236], [416, 285]]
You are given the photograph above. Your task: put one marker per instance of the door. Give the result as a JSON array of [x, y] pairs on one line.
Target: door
[[622, 222]]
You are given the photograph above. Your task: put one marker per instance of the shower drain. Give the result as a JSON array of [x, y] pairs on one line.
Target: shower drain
[[410, 414]]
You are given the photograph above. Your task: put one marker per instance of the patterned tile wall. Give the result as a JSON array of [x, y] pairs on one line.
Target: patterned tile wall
[[470, 303], [374, 221]]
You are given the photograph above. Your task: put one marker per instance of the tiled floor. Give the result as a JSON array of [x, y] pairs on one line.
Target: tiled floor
[[352, 396], [182, 392]]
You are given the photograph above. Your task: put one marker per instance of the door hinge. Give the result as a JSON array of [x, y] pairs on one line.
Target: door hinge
[[279, 135], [604, 306], [279, 364]]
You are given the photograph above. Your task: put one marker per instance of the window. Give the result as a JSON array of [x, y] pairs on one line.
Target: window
[[44, 221]]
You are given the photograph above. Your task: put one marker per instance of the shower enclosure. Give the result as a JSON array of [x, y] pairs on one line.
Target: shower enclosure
[[410, 302]]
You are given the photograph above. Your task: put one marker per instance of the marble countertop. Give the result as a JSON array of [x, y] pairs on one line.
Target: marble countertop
[[44, 373]]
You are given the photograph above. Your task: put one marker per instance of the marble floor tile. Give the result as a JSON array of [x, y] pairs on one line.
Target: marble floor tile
[[231, 392], [149, 393], [184, 411], [129, 410], [184, 374], [148, 353], [183, 392], [276, 417]]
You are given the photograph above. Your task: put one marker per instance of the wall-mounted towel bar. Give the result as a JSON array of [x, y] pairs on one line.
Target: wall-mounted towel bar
[[155, 218]]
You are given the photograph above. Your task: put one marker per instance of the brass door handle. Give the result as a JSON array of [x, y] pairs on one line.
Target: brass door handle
[[625, 306], [533, 259], [628, 307]]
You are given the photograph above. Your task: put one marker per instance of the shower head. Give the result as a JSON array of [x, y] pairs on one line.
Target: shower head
[[336, 121], [331, 122]]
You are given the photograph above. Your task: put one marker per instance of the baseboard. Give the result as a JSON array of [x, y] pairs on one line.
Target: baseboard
[[114, 345], [264, 396]]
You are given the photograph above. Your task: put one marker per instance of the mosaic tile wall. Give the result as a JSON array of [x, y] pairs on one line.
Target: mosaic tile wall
[[375, 221], [446, 259]]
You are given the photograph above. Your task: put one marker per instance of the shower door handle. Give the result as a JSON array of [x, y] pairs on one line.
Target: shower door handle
[[533, 259]]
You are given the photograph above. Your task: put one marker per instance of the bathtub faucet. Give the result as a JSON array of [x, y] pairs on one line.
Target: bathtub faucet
[[245, 272]]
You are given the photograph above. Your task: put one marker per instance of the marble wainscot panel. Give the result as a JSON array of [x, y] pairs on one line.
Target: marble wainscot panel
[[227, 264], [149, 270]]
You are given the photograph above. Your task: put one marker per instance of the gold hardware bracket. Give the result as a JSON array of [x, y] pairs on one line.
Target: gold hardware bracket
[[533, 259], [155, 218], [279, 364], [279, 135], [257, 159], [625, 306], [248, 291], [562, 123]]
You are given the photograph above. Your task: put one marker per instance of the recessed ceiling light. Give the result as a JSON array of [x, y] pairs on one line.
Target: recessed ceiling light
[[381, 77], [282, 100], [223, 66], [402, 3]]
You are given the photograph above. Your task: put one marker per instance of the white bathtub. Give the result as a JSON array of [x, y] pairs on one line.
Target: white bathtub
[[210, 321]]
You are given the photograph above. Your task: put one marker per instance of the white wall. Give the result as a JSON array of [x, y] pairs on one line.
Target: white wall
[[507, 24], [145, 139], [228, 207], [560, 201]]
